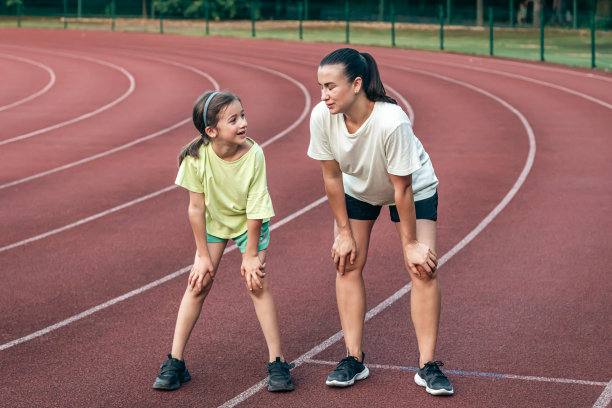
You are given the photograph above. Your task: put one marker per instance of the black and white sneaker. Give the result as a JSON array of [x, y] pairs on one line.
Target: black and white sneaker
[[347, 372], [278, 376], [434, 381], [173, 374]]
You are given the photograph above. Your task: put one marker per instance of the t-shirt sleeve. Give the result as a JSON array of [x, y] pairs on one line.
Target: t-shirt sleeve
[[259, 203], [401, 151], [319, 148], [188, 175]]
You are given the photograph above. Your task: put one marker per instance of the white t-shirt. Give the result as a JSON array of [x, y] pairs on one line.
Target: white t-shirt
[[383, 145]]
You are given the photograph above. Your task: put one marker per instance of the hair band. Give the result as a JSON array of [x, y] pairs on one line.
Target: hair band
[[205, 110]]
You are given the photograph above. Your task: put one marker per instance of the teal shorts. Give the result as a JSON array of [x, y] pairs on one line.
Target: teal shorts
[[241, 240]]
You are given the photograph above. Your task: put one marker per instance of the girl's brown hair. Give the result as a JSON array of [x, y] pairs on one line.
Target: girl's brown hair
[[219, 102]]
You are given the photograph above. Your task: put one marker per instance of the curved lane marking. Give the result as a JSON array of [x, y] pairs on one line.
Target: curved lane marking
[[442, 260], [156, 193], [123, 146], [521, 77], [185, 269], [86, 115], [35, 94]]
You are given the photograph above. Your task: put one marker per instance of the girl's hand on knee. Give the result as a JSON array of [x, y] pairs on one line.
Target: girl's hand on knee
[[421, 260], [202, 273], [252, 270]]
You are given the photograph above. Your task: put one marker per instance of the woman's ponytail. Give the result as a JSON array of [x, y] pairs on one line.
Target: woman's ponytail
[[360, 64], [374, 88]]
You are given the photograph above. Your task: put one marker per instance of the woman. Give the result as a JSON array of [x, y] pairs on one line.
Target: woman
[[370, 158]]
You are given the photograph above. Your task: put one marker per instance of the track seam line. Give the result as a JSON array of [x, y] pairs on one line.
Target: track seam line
[[131, 89], [474, 373], [441, 261], [37, 93]]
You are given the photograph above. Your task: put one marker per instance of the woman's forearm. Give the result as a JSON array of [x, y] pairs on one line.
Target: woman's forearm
[[404, 201]]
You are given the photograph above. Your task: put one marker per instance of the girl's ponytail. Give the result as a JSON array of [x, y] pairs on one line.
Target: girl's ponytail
[[218, 101], [374, 88]]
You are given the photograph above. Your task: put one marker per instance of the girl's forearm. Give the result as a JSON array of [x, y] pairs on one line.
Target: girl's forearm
[[253, 232], [197, 219]]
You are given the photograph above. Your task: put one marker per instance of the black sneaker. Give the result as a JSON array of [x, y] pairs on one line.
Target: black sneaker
[[434, 381], [348, 370], [278, 376], [173, 374]]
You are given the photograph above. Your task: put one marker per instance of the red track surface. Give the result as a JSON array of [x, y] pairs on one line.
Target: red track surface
[[528, 296]]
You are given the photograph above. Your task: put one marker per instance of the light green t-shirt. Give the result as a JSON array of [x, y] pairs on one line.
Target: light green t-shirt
[[233, 191]]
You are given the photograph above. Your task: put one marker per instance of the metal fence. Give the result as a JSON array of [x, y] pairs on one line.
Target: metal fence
[[575, 35]]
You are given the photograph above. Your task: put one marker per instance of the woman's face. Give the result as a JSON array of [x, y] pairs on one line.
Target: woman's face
[[336, 91]]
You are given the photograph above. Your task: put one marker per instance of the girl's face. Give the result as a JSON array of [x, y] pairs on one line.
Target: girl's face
[[231, 126], [336, 91]]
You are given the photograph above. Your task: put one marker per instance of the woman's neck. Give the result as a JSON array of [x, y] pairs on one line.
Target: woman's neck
[[358, 113]]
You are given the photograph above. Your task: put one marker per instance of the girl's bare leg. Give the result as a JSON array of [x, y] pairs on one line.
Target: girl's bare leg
[[266, 312], [191, 305]]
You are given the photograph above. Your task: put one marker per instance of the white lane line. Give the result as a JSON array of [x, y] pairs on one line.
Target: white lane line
[[123, 146], [96, 156], [441, 261], [474, 373], [535, 65], [88, 219], [144, 288], [605, 397], [35, 94], [403, 100], [89, 114], [154, 194], [182, 270], [517, 76]]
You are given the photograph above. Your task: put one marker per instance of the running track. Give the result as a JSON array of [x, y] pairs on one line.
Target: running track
[[95, 241]]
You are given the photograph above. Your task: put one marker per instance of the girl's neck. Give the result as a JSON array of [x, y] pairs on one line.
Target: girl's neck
[[358, 113], [230, 151]]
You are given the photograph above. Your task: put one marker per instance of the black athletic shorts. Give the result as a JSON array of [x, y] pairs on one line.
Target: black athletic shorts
[[426, 209]]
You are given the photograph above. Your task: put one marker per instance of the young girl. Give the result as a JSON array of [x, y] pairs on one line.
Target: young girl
[[225, 174], [370, 158]]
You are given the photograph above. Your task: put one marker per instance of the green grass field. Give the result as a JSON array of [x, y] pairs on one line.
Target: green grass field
[[563, 46]]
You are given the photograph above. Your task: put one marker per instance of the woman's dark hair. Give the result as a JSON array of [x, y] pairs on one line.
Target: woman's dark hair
[[360, 64], [218, 103]]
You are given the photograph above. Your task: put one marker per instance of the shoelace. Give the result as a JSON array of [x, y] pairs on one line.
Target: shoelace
[[431, 368], [282, 366], [346, 361], [168, 365]]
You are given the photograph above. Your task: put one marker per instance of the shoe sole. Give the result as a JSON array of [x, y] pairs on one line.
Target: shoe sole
[[280, 388], [419, 381], [171, 387], [359, 376]]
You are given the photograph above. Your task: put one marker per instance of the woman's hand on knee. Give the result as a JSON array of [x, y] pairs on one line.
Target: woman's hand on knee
[[343, 250], [202, 273], [421, 260]]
